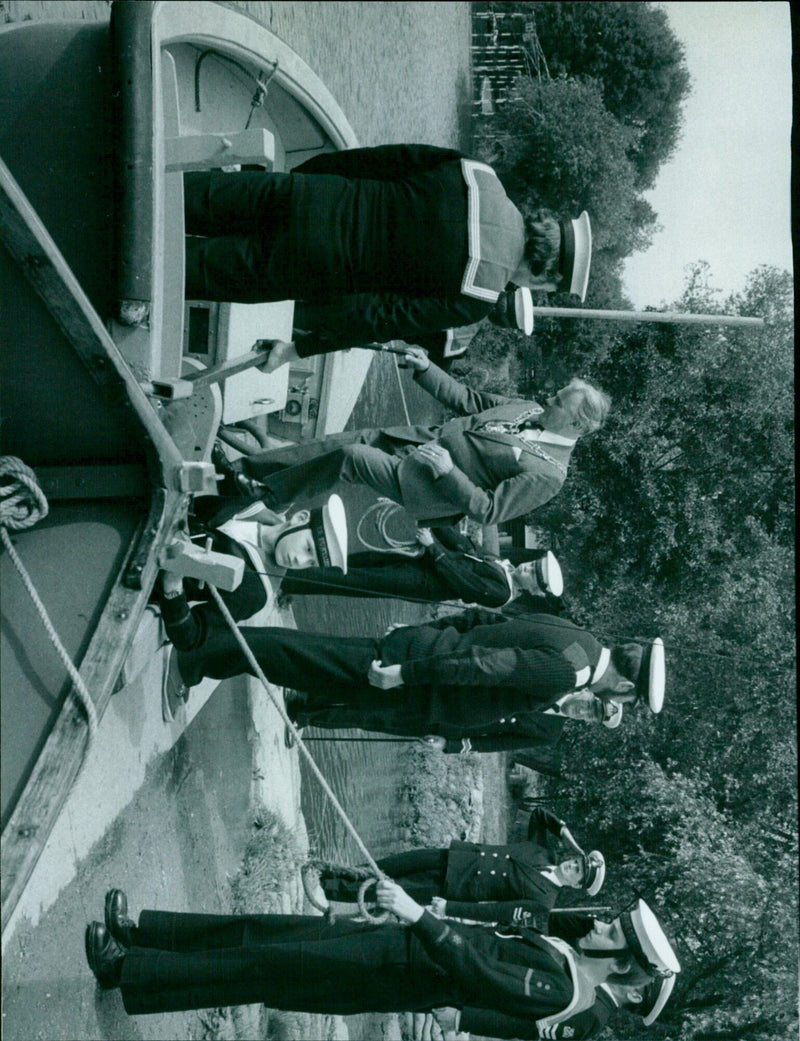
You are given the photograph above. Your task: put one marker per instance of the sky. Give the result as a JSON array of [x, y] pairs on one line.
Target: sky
[[724, 197]]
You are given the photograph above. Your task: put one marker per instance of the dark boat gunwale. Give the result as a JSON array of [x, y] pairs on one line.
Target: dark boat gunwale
[[59, 761]]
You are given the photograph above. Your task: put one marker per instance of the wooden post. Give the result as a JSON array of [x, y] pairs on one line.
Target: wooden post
[[666, 317], [190, 561]]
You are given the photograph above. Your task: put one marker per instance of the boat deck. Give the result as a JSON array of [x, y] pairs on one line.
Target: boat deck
[[96, 127]]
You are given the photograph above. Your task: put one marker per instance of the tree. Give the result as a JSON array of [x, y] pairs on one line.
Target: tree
[[630, 50], [678, 520], [563, 150], [732, 925], [699, 444]]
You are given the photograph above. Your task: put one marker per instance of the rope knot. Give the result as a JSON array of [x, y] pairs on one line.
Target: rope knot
[[22, 501]]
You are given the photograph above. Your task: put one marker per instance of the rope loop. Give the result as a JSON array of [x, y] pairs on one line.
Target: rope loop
[[22, 501], [364, 875], [376, 919], [305, 871], [384, 509], [23, 504]]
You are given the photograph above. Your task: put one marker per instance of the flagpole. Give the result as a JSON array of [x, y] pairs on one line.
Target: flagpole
[[667, 317], [365, 740], [594, 909]]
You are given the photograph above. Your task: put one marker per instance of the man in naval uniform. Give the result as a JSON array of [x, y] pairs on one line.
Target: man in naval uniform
[[262, 539], [490, 883], [644, 989], [447, 567], [172, 962], [538, 733], [466, 673], [428, 234]]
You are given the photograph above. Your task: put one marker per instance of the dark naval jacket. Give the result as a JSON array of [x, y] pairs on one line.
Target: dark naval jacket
[[480, 667], [585, 1023], [479, 679], [493, 883], [543, 996], [324, 327], [429, 234]]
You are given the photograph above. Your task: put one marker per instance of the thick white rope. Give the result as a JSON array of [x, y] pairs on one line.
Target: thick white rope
[[23, 504], [385, 509], [400, 385], [277, 702]]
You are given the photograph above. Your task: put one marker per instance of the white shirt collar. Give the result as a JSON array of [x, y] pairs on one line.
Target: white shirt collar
[[546, 1025], [610, 992], [548, 437], [555, 708], [602, 664], [508, 570], [551, 874]]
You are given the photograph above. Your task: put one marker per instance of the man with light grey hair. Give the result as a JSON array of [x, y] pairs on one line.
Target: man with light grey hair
[[498, 459]]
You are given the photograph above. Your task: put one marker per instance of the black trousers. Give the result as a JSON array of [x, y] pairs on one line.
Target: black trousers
[[372, 574], [293, 962], [244, 223], [421, 872], [332, 669]]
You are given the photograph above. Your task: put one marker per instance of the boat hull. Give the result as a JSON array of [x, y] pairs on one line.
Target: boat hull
[[80, 214]]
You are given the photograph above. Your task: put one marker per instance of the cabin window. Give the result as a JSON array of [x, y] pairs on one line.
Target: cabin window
[[200, 331]]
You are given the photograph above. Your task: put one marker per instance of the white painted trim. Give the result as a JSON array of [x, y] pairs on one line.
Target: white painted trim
[[237, 34], [547, 1022], [468, 286]]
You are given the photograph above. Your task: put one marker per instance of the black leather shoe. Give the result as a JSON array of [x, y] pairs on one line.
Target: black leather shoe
[[118, 923], [174, 692], [294, 702], [220, 460], [234, 482], [104, 954]]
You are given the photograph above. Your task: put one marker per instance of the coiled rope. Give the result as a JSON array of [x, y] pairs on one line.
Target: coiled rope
[[384, 510], [23, 504], [277, 702]]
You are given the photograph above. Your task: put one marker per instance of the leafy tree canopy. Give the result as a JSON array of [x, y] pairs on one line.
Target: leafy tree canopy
[[733, 923], [631, 51], [700, 442], [562, 149], [678, 519]]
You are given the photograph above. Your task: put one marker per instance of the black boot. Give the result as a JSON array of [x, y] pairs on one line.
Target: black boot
[[121, 927], [104, 954], [234, 482], [294, 702]]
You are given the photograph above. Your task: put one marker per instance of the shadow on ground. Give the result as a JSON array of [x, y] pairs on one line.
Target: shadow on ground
[[174, 848]]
